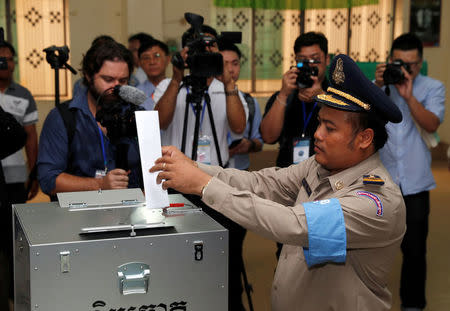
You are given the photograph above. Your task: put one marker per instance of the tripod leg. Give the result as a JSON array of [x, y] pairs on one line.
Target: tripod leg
[[185, 124], [213, 128]]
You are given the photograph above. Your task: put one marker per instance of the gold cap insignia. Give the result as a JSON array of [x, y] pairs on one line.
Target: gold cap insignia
[[338, 73]]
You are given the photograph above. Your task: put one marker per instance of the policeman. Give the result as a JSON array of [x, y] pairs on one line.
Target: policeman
[[339, 215]]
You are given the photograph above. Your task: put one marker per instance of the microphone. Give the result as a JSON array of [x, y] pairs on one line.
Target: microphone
[[130, 94]]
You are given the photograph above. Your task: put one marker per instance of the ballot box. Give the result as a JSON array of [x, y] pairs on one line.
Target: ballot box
[[105, 250]]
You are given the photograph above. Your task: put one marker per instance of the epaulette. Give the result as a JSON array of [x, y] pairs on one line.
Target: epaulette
[[372, 180]]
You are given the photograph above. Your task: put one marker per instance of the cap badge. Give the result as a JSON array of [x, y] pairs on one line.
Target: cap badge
[[338, 73]]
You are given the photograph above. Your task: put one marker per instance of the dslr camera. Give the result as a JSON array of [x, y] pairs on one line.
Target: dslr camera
[[200, 62], [305, 71], [393, 73]]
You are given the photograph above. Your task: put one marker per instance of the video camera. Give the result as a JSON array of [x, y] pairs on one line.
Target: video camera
[[200, 62], [305, 71], [393, 73], [116, 111], [117, 106]]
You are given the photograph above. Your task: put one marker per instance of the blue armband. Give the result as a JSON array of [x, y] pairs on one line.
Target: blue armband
[[326, 232]]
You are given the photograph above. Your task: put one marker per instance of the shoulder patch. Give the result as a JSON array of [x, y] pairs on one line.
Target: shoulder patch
[[372, 180], [375, 199]]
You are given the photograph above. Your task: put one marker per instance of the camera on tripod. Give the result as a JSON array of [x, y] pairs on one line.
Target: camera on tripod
[[57, 56], [305, 71], [394, 74], [200, 62]]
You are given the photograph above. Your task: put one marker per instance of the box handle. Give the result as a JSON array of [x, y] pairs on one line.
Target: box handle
[[133, 278]]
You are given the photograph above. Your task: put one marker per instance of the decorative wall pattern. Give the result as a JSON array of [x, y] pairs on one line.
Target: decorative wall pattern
[[363, 32], [40, 24]]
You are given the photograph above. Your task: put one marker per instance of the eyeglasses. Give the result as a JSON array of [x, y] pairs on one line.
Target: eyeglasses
[[409, 63], [148, 58], [308, 60]]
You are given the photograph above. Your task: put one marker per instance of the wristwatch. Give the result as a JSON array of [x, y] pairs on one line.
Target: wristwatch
[[234, 92]]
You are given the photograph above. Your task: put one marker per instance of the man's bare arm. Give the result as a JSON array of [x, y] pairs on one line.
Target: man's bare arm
[[115, 179]]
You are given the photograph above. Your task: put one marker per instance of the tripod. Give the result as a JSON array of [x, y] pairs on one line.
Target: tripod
[[58, 61], [198, 87]]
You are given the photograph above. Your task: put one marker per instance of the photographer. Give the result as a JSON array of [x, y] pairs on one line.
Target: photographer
[[421, 100], [291, 113], [290, 117], [226, 103], [86, 159]]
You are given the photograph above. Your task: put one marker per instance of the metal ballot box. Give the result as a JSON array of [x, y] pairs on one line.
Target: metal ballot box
[[105, 250]]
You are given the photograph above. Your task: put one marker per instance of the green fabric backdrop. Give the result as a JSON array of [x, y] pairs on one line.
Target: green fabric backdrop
[[292, 4]]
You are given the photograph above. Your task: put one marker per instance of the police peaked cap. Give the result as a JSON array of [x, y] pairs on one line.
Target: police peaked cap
[[350, 90]]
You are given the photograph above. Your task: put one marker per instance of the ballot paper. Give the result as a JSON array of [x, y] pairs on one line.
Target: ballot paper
[[147, 123]]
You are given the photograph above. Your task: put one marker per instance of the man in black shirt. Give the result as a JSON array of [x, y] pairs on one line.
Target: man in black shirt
[[291, 113], [290, 117]]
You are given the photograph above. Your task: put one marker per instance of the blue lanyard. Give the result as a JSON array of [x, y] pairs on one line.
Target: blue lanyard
[[103, 147], [203, 109], [307, 119]]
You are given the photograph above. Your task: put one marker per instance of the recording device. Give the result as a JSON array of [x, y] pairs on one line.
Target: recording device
[[3, 60], [130, 94], [57, 57], [200, 62], [116, 113], [394, 74], [305, 71], [234, 143]]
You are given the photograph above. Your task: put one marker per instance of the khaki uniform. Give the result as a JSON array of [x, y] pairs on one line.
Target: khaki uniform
[[269, 202]]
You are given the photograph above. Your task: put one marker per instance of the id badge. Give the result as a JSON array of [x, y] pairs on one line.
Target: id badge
[[100, 173], [204, 149], [301, 150]]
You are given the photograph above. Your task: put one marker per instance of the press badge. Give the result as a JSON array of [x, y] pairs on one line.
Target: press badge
[[301, 150], [100, 173], [204, 149]]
